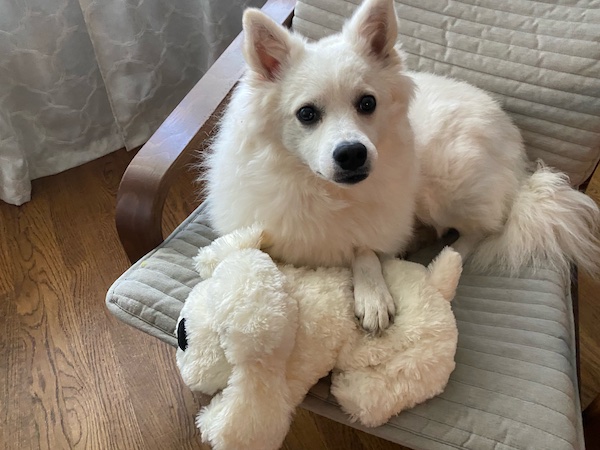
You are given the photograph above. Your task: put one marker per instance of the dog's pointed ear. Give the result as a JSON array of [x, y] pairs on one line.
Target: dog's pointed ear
[[374, 28], [267, 45]]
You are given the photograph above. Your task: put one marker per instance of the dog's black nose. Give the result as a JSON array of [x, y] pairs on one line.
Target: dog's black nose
[[350, 155]]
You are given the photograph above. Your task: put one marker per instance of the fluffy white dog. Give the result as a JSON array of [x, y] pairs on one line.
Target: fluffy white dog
[[335, 148]]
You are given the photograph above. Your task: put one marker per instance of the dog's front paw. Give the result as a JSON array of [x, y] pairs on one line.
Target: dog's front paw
[[374, 308]]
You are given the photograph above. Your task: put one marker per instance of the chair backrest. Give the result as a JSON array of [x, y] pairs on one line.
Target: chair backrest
[[540, 60]]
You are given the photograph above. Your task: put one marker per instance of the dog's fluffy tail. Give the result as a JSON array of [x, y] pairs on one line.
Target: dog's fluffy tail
[[549, 223]]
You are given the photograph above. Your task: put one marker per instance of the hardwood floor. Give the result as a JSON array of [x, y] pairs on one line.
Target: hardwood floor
[[72, 376]]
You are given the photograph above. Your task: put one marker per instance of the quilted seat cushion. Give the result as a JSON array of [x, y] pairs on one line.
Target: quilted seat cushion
[[539, 59], [515, 384]]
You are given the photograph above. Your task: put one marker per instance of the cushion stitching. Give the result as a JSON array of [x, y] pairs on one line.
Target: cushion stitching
[[540, 333], [466, 35], [564, 329], [155, 289], [557, 21], [518, 344], [515, 377], [536, 33], [335, 13], [481, 336], [153, 270], [481, 39], [545, 119], [489, 57], [139, 317], [318, 24], [583, 147], [463, 282], [489, 89], [508, 418], [560, 155], [512, 303], [515, 359], [412, 431]]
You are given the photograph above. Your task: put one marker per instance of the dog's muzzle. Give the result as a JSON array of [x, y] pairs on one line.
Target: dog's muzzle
[[351, 163]]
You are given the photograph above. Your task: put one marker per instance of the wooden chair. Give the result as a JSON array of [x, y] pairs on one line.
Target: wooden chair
[[146, 182]]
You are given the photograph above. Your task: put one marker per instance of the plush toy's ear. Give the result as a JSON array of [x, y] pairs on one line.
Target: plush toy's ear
[[209, 257], [267, 45], [444, 272], [373, 28]]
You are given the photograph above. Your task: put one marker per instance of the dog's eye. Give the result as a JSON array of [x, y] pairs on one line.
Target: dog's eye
[[366, 104], [308, 115]]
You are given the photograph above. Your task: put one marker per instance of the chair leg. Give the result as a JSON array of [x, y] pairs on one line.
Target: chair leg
[[591, 424]]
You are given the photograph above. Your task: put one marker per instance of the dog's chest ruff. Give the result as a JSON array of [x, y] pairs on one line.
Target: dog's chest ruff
[[320, 229]]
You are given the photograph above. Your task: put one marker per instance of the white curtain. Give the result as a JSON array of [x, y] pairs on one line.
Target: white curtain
[[82, 78]]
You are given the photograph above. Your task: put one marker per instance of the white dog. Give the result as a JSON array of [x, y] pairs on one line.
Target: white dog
[[335, 149]]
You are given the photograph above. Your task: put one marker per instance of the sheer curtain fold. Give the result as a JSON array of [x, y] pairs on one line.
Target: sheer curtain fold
[[82, 78]]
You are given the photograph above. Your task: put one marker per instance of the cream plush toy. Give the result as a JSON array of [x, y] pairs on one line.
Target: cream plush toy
[[258, 336]]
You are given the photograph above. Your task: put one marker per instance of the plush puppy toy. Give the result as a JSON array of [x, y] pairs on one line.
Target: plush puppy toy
[[258, 335]]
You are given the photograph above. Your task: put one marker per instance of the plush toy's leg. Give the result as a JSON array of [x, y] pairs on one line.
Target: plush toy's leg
[[372, 395], [253, 413], [365, 396]]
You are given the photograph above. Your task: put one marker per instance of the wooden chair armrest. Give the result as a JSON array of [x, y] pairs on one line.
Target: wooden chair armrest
[[146, 182]]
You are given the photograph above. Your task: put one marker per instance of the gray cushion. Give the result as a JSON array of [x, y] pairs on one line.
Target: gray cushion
[[150, 294], [515, 384], [540, 59]]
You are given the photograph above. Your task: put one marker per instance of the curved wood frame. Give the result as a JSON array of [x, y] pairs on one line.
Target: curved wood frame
[[147, 180]]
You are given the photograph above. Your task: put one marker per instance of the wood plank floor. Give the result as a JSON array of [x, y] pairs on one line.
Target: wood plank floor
[[72, 376]]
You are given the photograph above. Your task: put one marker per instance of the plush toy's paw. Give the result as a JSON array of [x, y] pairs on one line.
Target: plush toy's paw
[[374, 306]]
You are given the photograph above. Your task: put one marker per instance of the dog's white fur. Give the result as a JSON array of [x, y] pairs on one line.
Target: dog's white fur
[[438, 149]]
